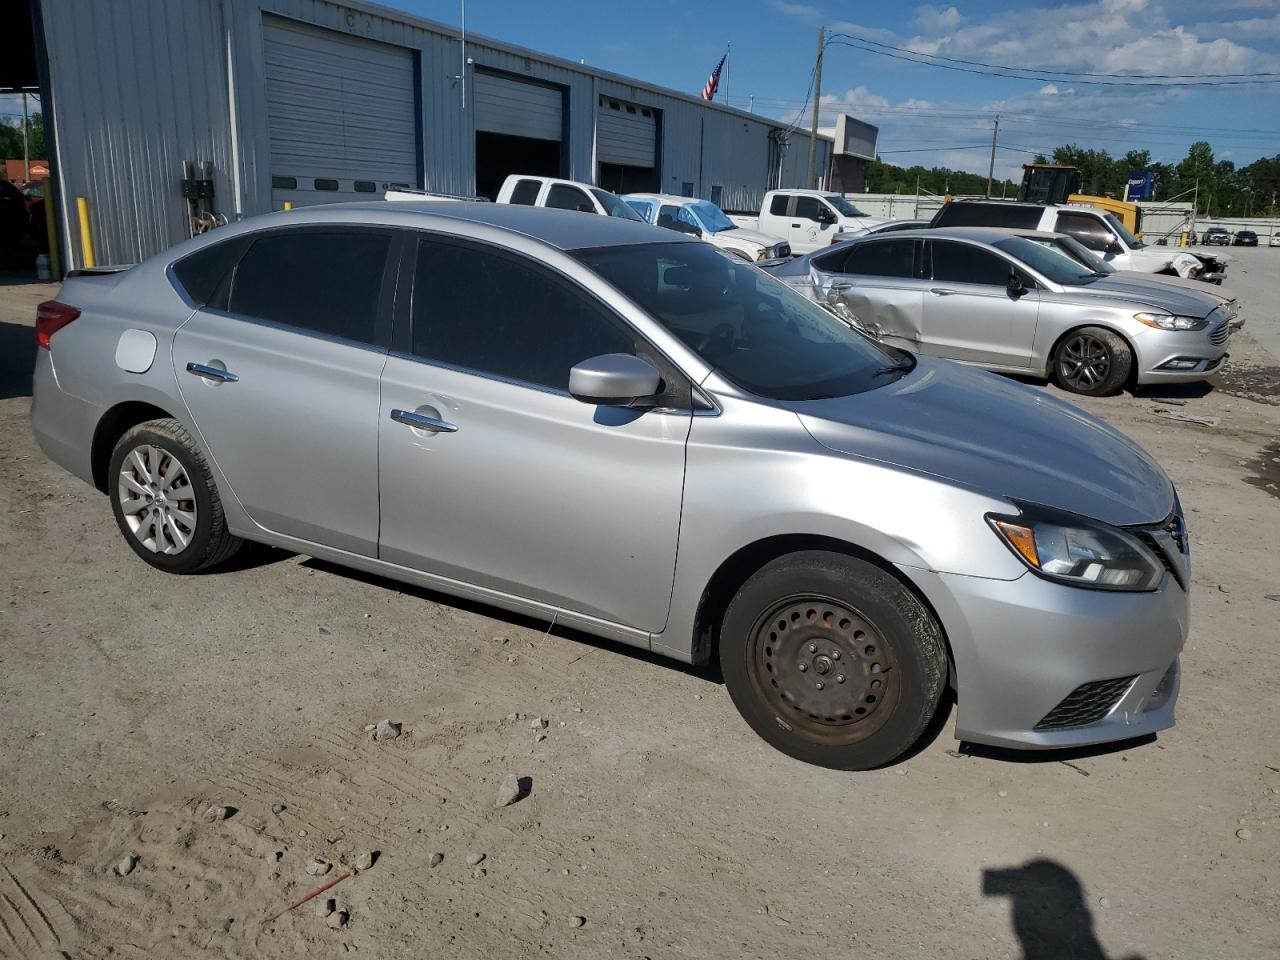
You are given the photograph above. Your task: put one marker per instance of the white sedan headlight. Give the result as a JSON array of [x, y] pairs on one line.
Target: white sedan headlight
[[1169, 321]]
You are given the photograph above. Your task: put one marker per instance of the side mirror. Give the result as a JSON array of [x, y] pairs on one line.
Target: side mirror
[[614, 380], [826, 216], [1015, 286], [1113, 246]]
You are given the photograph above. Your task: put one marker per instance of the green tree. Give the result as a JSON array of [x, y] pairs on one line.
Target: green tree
[[11, 139]]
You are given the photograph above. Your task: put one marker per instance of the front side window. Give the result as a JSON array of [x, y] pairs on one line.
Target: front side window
[[1116, 224], [526, 192], [562, 197], [498, 314], [324, 281], [1088, 230], [757, 331], [962, 263], [811, 208], [677, 218]]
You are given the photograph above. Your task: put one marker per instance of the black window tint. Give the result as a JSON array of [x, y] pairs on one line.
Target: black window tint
[[964, 214], [322, 281], [961, 263], [569, 198], [497, 315], [201, 274], [525, 192], [885, 258], [778, 205], [1089, 231], [808, 208]]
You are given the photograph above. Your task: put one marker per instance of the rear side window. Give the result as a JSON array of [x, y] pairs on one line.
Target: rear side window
[[569, 198], [1089, 231], [884, 258], [202, 274], [778, 205], [496, 314], [525, 192], [987, 215], [961, 263], [321, 281]]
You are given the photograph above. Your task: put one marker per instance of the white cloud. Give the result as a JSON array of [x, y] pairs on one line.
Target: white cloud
[[1049, 90], [937, 19]]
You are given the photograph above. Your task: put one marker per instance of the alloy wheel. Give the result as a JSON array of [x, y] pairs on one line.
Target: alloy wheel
[[157, 499], [1084, 361]]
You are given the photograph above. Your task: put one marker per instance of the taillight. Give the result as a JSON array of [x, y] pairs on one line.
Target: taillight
[[52, 316]]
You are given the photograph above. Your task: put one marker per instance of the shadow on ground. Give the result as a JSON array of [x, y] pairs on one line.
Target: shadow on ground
[[1050, 917], [17, 359]]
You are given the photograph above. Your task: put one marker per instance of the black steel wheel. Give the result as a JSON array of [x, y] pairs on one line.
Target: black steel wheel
[[1092, 361], [832, 660]]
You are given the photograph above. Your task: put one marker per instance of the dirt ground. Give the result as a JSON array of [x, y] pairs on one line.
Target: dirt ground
[[130, 701]]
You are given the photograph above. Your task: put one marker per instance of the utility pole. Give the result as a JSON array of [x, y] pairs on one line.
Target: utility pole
[[26, 152], [991, 169], [817, 96]]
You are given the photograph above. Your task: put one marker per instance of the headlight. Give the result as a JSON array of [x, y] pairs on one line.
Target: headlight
[[763, 254], [1166, 321], [1083, 553]]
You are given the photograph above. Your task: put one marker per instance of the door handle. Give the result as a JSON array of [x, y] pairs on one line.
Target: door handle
[[941, 291], [418, 421], [795, 225], [216, 374]]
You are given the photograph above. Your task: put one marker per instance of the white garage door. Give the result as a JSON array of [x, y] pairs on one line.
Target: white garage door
[[518, 109], [626, 133], [341, 111]]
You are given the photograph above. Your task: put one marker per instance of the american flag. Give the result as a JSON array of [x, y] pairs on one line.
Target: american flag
[[713, 81]]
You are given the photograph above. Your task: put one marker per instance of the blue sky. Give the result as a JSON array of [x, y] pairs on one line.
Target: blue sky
[[942, 117], [919, 108]]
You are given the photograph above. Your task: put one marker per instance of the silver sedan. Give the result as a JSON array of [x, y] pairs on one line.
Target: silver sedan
[[1010, 303], [609, 426]]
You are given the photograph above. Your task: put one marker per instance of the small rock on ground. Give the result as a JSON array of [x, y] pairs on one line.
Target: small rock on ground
[[509, 791], [437, 859], [218, 812], [125, 866], [479, 873], [1244, 833], [577, 921], [474, 858], [317, 867], [366, 859], [537, 723], [336, 920], [278, 808], [386, 730]]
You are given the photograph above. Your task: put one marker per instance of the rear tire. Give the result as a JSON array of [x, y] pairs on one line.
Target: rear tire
[[832, 661], [1092, 361], [165, 501]]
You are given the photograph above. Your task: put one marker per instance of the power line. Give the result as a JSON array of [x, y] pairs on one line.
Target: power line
[[1065, 73], [858, 43]]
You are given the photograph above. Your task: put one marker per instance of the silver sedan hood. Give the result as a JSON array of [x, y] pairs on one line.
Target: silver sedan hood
[[996, 436], [1176, 300]]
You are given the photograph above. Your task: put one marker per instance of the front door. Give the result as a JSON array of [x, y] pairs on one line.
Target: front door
[[511, 484], [969, 313], [282, 385]]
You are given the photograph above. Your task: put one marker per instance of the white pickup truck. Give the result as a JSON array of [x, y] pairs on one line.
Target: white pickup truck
[[702, 218], [809, 219], [560, 194]]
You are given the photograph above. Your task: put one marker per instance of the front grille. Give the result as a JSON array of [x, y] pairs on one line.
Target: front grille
[[1219, 334], [1086, 704], [784, 250]]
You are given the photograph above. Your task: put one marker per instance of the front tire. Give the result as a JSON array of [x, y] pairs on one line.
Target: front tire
[[165, 501], [832, 661], [1092, 361]]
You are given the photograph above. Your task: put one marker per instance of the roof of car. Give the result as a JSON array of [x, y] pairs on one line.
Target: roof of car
[[564, 229], [976, 234], [664, 198]]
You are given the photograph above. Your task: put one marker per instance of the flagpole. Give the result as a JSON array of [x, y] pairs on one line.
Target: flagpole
[[728, 61]]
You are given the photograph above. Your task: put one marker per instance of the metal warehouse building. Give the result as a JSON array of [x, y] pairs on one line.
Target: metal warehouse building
[[308, 101]]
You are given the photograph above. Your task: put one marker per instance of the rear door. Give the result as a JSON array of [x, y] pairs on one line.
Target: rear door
[[878, 281], [280, 375], [969, 313], [520, 488]]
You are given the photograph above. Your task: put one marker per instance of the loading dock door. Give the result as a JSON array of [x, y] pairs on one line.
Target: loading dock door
[[342, 114], [519, 126], [626, 146]]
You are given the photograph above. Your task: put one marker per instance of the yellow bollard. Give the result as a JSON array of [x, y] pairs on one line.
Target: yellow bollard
[[288, 205], [51, 231], [86, 237]]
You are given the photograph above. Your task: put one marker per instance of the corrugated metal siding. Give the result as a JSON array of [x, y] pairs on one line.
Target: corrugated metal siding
[[138, 86], [518, 108], [340, 107]]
